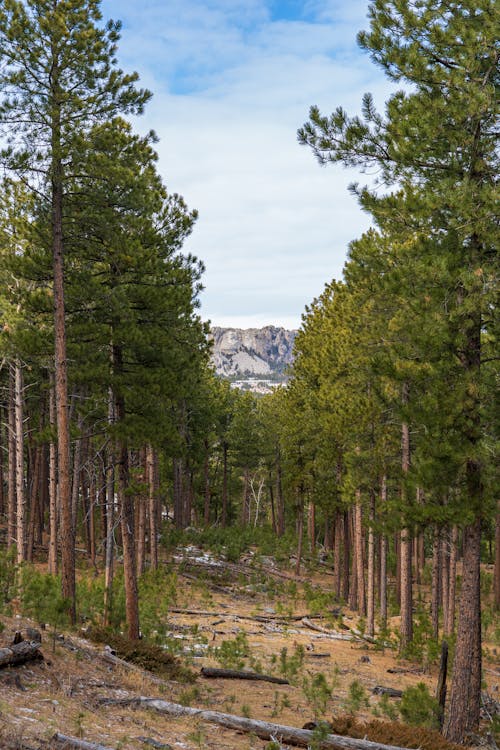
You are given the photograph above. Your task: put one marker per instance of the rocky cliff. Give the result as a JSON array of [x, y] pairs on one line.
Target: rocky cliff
[[253, 351]]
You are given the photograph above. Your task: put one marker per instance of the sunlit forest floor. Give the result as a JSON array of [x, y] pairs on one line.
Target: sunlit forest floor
[[247, 616]]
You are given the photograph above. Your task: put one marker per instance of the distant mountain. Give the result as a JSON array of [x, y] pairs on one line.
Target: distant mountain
[[253, 351]]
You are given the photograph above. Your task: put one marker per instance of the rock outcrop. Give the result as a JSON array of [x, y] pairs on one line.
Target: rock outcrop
[[253, 351]]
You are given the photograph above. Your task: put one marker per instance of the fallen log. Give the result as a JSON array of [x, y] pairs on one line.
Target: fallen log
[[20, 653], [236, 674], [263, 729], [333, 634], [73, 743]]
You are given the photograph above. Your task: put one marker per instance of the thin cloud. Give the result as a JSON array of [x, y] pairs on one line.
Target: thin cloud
[[232, 82]]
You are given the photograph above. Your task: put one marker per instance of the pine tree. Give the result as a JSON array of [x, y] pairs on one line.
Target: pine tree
[[436, 144], [58, 77]]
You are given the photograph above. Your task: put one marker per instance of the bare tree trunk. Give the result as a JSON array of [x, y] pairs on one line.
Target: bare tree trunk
[[497, 560], [311, 526], [445, 572], [359, 555], [178, 492], [126, 505], [406, 628], [300, 529], [452, 578], [206, 480], [34, 503], [110, 523], [339, 541], [353, 587], [245, 512], [20, 487], [224, 485], [370, 600], [11, 465], [383, 559], [436, 582], [279, 498], [53, 504], [61, 374], [140, 518], [152, 502], [75, 483], [465, 692]]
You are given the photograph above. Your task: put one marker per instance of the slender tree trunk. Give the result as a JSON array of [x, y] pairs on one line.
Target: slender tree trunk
[[359, 555], [61, 370], [224, 486], [383, 558], [206, 480], [53, 495], [245, 513], [370, 599], [436, 582], [20, 486], [300, 529], [35, 497], [153, 511], [339, 540], [345, 581], [353, 587], [463, 715], [406, 628], [110, 523], [311, 526], [280, 503], [452, 578], [11, 465], [140, 516], [445, 573]]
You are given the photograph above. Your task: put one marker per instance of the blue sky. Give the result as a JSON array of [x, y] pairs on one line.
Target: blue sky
[[232, 81]]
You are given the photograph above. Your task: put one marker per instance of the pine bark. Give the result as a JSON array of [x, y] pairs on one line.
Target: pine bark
[[497, 562], [383, 558], [370, 597], [359, 555], [463, 714], [406, 628], [153, 510], [53, 495], [20, 485], [11, 463]]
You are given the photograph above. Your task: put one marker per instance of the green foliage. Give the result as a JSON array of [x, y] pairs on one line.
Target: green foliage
[[424, 648], [290, 665], [357, 697], [319, 602], [317, 691], [8, 577], [231, 654], [41, 597], [386, 707], [419, 707]]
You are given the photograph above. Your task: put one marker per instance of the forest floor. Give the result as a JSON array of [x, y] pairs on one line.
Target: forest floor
[[221, 617]]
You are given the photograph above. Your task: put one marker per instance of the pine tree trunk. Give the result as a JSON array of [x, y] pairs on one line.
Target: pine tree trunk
[[126, 505], [280, 503], [11, 462], [497, 561], [20, 486], [436, 582], [300, 529], [345, 588], [140, 518], [359, 555], [383, 558], [75, 482], [452, 581], [370, 599], [61, 372], [224, 486], [311, 526], [406, 628], [53, 504], [337, 553], [178, 492], [206, 482], [445, 572], [245, 511], [35, 497], [353, 580], [465, 694], [153, 511], [110, 522]]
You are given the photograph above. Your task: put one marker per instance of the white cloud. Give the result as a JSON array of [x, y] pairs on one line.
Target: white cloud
[[231, 88]]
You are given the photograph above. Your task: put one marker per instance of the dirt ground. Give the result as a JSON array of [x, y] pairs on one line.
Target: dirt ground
[[62, 693]]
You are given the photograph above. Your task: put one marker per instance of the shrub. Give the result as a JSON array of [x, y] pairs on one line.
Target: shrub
[[419, 707]]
